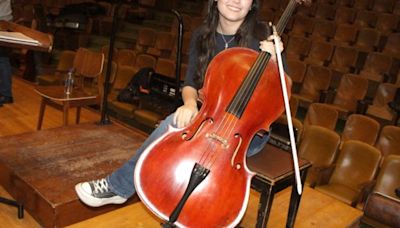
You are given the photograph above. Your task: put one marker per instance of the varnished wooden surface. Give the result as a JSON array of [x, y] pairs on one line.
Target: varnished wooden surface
[[316, 209]]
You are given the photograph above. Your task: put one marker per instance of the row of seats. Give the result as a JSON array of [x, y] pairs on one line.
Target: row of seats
[[349, 172]]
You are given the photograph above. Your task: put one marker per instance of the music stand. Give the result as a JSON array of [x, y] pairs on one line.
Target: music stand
[[37, 41]]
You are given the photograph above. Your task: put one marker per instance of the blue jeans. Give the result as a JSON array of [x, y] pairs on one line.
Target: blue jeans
[[5, 73], [121, 180]]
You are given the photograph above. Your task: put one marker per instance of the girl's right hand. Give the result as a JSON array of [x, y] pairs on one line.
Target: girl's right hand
[[184, 115]]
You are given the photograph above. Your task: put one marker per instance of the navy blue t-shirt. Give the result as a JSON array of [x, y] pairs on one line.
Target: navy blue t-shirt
[[220, 46]]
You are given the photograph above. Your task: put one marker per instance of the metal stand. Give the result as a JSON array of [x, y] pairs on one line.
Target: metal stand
[[14, 203]]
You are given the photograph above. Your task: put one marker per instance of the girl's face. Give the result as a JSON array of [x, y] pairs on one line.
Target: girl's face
[[233, 10]]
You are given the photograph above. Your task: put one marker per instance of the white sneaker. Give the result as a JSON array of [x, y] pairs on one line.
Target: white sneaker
[[97, 193]]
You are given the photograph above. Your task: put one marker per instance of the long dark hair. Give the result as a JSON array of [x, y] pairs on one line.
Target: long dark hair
[[206, 39]]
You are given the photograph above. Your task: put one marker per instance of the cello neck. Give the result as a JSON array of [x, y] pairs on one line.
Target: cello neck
[[280, 27]]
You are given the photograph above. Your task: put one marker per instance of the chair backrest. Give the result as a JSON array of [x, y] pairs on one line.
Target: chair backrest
[[325, 11], [317, 79], [88, 67], [345, 15], [146, 38], [362, 128], [387, 23], [66, 61], [392, 46], [323, 30], [357, 164], [377, 63], [297, 47], [321, 115], [320, 53], [123, 76], [365, 19], [345, 34], [389, 176], [344, 59], [383, 6], [367, 39], [319, 146], [351, 89], [145, 60], [297, 69], [126, 57], [389, 140], [384, 94], [302, 25], [166, 67]]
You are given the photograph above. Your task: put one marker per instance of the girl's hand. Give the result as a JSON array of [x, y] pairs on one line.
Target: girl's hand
[[184, 115], [268, 46]]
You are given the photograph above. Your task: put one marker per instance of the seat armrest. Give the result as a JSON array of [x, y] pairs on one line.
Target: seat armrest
[[365, 189], [324, 174]]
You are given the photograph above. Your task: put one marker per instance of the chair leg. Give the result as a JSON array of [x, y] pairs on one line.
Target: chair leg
[[78, 114], [14, 203]]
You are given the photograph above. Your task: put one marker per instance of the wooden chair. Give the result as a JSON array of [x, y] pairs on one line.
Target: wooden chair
[[319, 146], [65, 63], [353, 174]]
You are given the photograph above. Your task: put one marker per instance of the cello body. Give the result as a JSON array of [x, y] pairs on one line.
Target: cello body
[[217, 140]]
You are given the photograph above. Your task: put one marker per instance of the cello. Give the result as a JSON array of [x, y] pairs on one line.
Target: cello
[[197, 176]]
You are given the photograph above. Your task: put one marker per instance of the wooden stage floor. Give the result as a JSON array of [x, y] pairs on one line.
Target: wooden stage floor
[[41, 168]]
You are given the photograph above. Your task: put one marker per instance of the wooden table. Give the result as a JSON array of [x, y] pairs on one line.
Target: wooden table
[[274, 168], [56, 97]]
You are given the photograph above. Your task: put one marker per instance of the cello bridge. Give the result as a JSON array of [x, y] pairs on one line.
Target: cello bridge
[[218, 138]]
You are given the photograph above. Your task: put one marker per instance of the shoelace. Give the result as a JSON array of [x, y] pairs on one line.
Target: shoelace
[[100, 186]]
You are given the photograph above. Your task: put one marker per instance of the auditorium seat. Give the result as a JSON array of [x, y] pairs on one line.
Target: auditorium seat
[[319, 114], [165, 67], [319, 146], [145, 60], [65, 63], [383, 6], [325, 11], [123, 76], [387, 23], [383, 205], [306, 10], [379, 109], [344, 59], [396, 9], [146, 39], [324, 30], [105, 49], [362, 4], [315, 84], [366, 19], [392, 46], [377, 67], [297, 70], [345, 35], [388, 142], [345, 15], [361, 128], [163, 45], [126, 57], [353, 174], [302, 26], [298, 47], [367, 40], [351, 90], [320, 53]]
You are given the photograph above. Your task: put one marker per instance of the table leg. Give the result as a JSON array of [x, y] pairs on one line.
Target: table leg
[[41, 113], [264, 206], [65, 112], [78, 114], [295, 201]]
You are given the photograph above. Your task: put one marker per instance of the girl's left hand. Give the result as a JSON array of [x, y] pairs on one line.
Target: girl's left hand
[[268, 46]]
